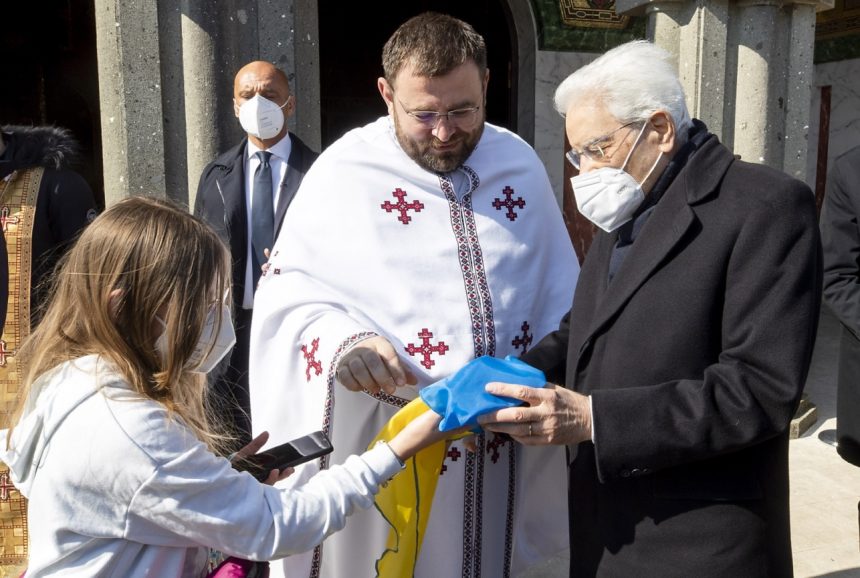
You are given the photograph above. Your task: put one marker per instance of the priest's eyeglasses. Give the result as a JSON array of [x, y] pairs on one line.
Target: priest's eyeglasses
[[460, 117], [596, 148]]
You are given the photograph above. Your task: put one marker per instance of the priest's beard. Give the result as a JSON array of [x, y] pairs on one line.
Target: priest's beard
[[425, 152]]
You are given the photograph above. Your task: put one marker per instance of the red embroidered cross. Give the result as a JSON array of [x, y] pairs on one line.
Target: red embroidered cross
[[5, 486], [454, 454], [525, 340], [402, 206], [493, 446], [309, 357], [5, 218], [426, 349], [509, 203], [4, 353]]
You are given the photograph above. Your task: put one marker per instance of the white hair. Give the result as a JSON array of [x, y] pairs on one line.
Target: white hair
[[633, 81]]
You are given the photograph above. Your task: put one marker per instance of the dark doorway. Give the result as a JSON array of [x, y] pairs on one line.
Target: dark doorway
[[51, 74], [351, 38]]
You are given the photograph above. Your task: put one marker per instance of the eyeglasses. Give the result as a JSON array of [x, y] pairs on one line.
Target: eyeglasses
[[461, 117], [596, 149]]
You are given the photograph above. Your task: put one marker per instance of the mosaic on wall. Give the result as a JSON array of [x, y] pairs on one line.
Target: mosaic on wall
[[837, 32], [584, 25]]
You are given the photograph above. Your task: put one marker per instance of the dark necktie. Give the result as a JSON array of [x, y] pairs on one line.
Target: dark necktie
[[263, 215]]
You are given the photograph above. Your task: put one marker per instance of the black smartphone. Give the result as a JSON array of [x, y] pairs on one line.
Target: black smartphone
[[292, 453]]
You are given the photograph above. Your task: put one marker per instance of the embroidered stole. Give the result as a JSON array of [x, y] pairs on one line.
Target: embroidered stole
[[17, 213]]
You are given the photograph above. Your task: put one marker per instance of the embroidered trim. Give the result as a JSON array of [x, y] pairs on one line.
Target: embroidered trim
[[346, 345], [472, 263], [469, 507], [509, 518]]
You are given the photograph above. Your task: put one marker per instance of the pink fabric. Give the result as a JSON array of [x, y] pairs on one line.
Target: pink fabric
[[237, 568]]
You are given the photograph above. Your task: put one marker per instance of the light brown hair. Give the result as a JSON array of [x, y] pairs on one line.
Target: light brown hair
[[434, 44], [142, 260]]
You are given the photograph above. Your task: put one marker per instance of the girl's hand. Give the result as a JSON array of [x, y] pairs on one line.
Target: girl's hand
[[252, 448]]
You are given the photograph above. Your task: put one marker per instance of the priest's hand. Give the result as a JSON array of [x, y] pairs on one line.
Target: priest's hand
[[373, 365], [551, 415]]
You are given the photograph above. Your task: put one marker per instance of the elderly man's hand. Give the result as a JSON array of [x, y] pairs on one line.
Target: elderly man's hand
[[373, 365], [552, 415]]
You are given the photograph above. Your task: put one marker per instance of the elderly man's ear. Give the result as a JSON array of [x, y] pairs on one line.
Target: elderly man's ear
[[664, 131]]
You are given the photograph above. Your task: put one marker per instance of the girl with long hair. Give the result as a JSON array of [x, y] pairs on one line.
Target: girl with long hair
[[112, 442]]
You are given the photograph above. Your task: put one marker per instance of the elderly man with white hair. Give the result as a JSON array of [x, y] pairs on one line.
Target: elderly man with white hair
[[685, 353]]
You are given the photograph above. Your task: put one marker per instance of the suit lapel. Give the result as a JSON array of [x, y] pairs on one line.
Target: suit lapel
[[591, 287], [291, 183], [231, 184], [233, 189], [666, 227]]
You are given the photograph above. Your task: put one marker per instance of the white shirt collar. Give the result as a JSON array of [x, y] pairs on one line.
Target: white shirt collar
[[280, 149]]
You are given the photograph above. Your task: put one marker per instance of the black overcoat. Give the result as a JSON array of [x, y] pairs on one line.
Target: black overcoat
[[840, 236], [694, 355]]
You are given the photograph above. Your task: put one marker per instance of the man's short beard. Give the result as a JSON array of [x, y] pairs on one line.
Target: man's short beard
[[425, 156]]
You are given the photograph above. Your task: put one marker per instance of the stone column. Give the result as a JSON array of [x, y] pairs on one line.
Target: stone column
[[746, 68], [799, 88], [130, 98], [201, 86], [173, 100], [759, 123], [307, 86], [702, 63]]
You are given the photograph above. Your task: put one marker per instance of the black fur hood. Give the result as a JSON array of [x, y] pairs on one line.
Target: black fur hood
[[46, 146]]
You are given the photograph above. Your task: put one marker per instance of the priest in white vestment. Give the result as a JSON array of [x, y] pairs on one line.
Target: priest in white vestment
[[438, 236]]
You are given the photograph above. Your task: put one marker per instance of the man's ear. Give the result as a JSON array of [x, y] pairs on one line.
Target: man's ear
[[387, 93], [235, 108], [290, 109], [664, 130]]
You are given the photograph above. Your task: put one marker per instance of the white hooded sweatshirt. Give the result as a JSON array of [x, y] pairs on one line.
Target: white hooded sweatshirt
[[119, 488]]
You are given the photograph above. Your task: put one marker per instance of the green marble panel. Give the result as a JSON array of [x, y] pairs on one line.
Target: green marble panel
[[554, 35], [840, 48]]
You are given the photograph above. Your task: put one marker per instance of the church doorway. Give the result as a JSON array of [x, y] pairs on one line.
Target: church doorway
[[51, 75], [351, 36]]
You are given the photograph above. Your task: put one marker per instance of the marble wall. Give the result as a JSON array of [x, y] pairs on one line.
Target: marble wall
[[844, 79], [550, 69]]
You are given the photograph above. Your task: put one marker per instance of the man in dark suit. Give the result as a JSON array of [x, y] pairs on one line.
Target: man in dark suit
[[840, 236], [244, 194], [686, 349]]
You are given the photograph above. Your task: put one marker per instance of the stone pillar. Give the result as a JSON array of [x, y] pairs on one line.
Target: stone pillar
[[307, 86], [173, 100], [702, 64], [799, 88], [664, 24], [759, 124], [201, 86], [746, 68], [130, 98]]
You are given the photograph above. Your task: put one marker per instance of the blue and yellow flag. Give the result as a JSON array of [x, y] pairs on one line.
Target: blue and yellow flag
[[405, 501]]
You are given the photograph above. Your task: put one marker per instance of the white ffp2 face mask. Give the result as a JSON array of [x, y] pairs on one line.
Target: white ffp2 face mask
[[211, 347], [261, 117], [609, 196]]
